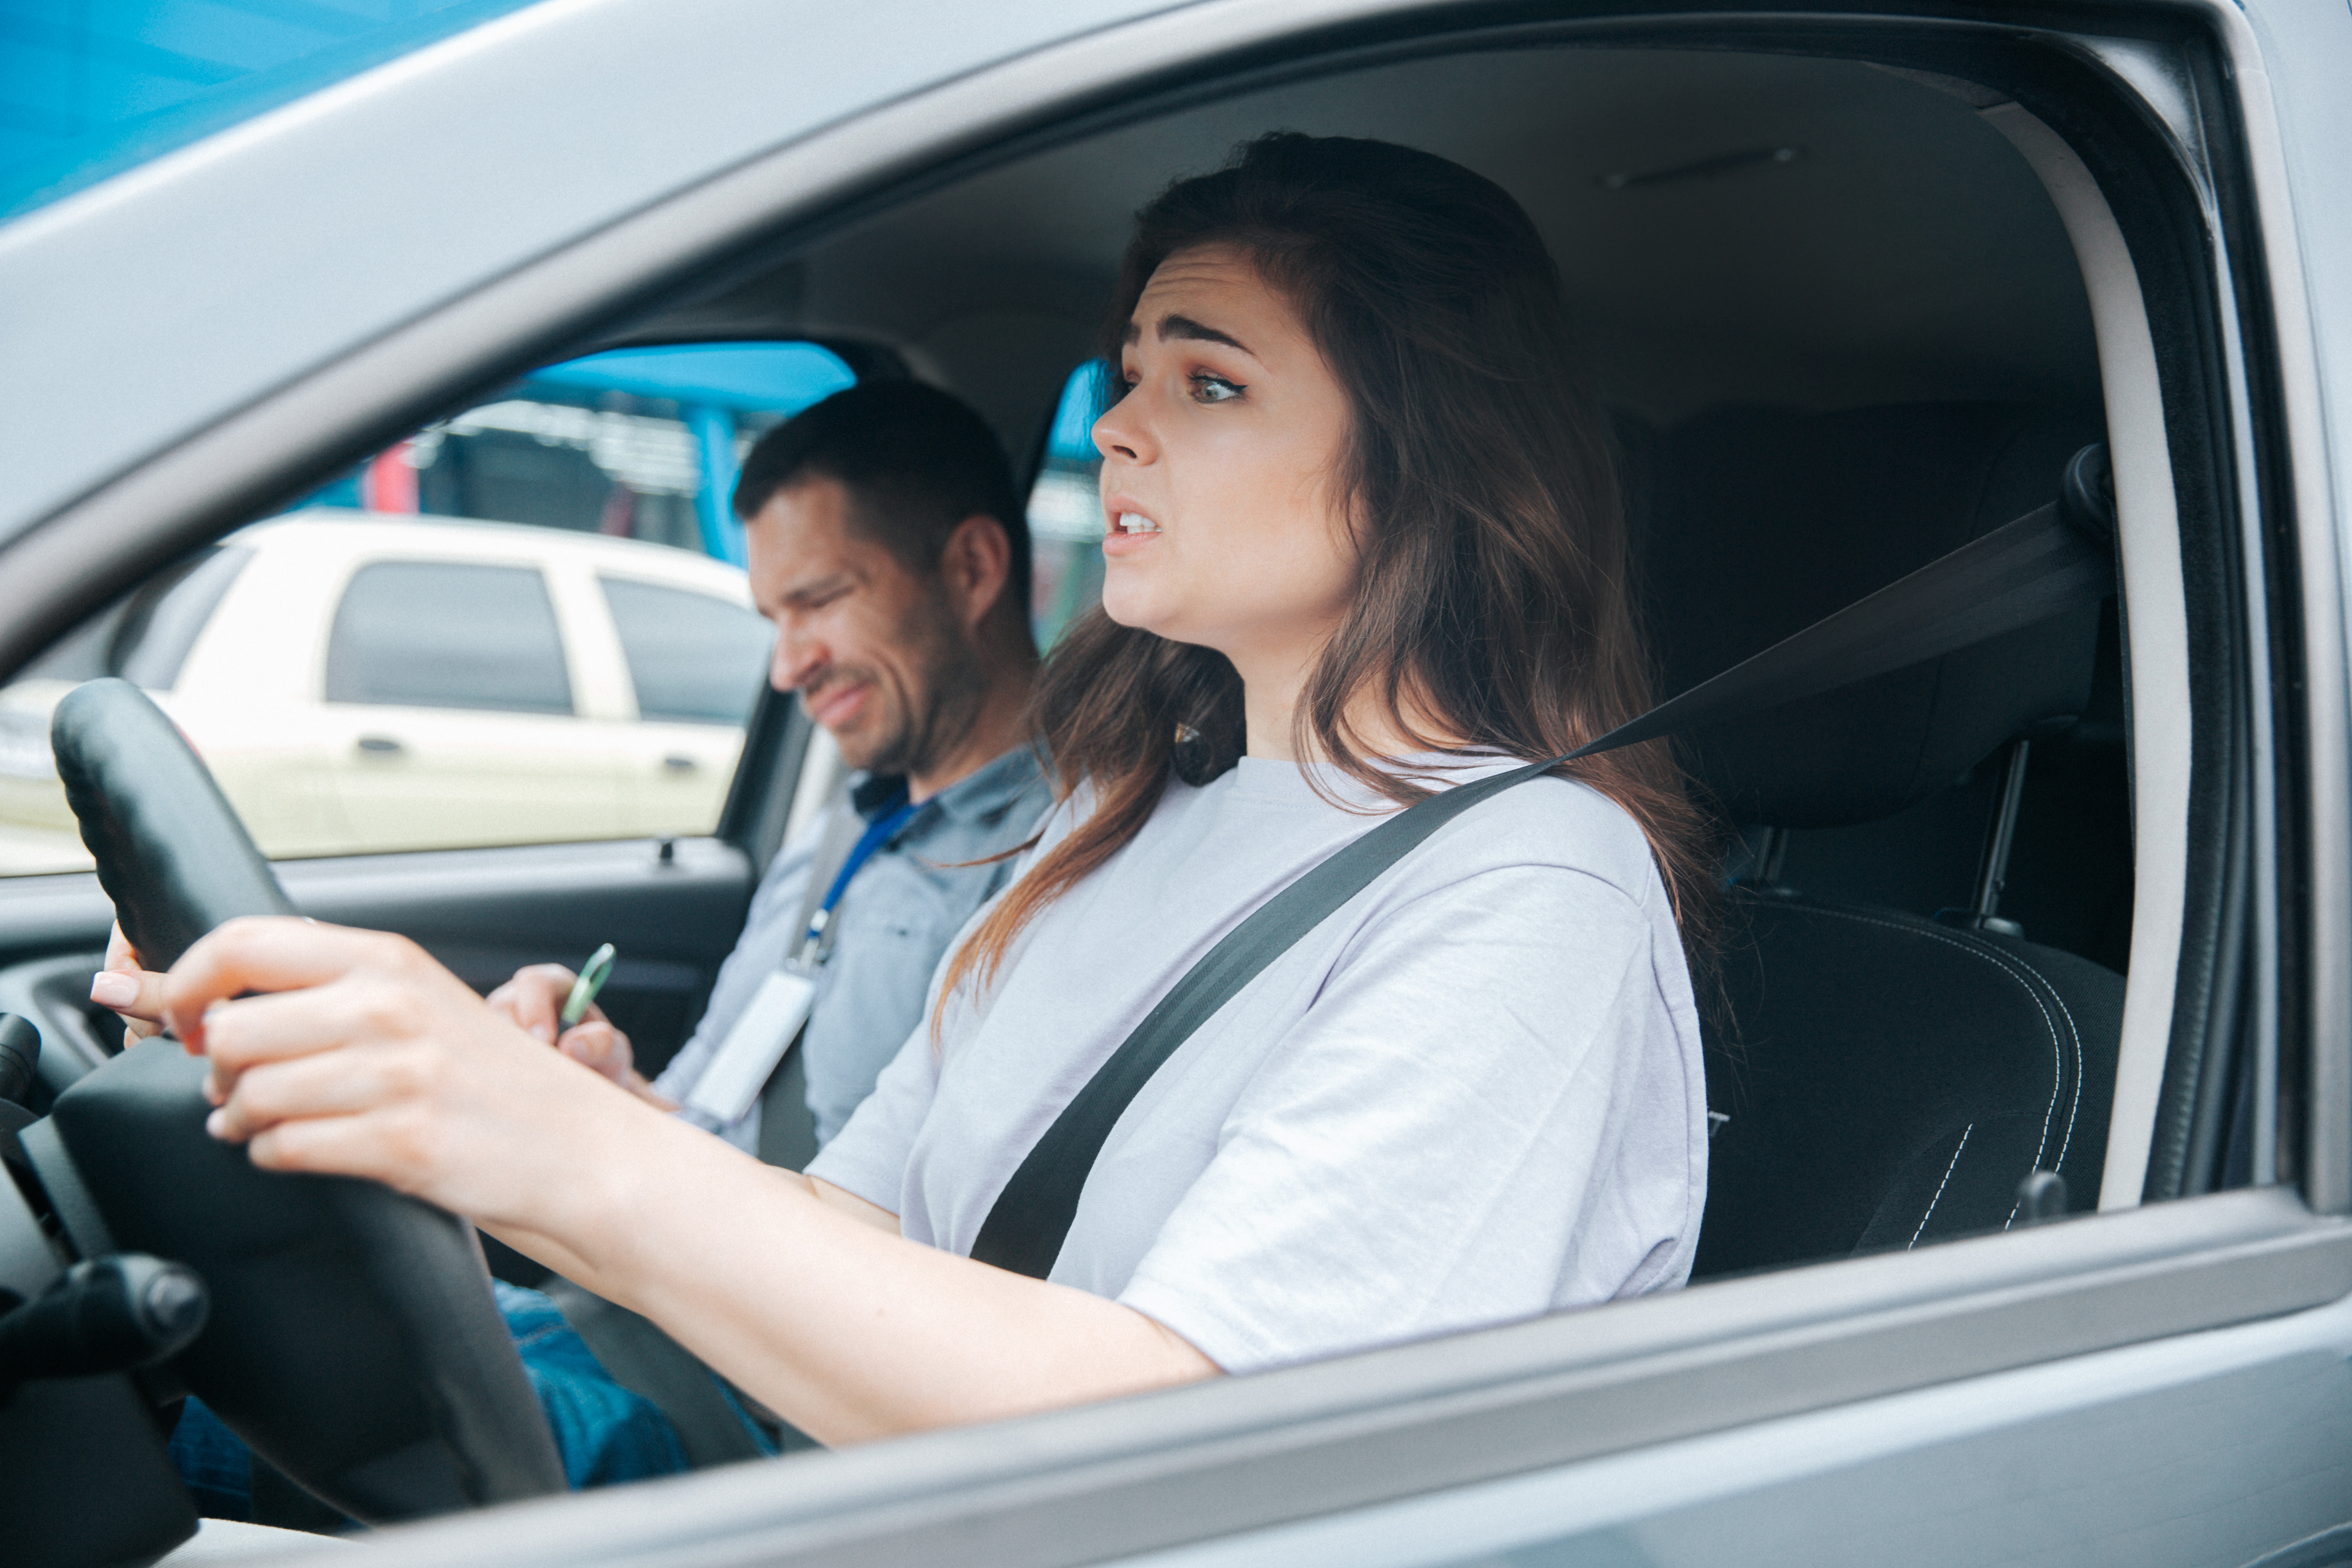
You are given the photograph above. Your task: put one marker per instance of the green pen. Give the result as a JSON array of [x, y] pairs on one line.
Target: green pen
[[593, 975]]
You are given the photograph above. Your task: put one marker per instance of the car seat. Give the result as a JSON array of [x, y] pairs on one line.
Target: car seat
[[1880, 1078]]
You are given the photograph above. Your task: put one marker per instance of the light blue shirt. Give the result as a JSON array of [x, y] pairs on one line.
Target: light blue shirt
[[889, 932]]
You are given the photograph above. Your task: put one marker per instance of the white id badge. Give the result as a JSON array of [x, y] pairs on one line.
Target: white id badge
[[745, 1059]]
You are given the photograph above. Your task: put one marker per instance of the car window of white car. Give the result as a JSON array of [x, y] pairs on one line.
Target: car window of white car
[[527, 622], [441, 634], [693, 659]]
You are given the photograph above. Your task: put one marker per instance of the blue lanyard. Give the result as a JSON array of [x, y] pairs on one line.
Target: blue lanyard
[[877, 833]]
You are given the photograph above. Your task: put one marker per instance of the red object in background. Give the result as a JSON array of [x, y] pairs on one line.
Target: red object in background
[[389, 483], [620, 515]]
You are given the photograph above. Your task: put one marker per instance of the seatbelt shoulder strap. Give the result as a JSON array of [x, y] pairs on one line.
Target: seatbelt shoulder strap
[[1024, 1230], [787, 1136], [2053, 559]]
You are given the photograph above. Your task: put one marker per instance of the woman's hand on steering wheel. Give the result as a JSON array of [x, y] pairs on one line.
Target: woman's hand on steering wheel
[[133, 993], [351, 1053], [361, 1055]]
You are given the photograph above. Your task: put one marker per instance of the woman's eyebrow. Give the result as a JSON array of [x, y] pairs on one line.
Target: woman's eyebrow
[[1185, 327]]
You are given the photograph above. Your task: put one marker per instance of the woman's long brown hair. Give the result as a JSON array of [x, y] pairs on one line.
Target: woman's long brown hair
[[1479, 478]]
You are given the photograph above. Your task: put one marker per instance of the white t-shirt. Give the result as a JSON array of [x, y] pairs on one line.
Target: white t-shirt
[[1472, 1096]]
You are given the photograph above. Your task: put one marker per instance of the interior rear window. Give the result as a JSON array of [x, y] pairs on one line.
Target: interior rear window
[[429, 633]]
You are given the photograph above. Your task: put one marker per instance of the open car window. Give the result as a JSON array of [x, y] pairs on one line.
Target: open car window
[[525, 622]]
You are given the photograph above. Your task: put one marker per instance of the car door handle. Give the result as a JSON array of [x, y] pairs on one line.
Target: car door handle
[[677, 762], [381, 745]]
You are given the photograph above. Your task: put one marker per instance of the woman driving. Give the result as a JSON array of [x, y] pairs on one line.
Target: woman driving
[[1363, 542]]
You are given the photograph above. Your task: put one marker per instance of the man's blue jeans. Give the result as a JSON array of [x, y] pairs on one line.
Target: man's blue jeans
[[607, 1434]]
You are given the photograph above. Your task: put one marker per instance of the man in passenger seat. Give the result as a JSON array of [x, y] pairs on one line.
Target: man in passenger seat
[[887, 543]]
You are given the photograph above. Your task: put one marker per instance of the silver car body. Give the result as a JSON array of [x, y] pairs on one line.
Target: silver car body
[[2162, 1384]]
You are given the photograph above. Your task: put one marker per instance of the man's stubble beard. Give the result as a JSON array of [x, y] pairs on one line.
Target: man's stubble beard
[[942, 715]]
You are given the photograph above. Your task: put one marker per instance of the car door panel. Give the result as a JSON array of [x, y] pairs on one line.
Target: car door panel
[[2102, 1459], [672, 908], [408, 774], [1572, 1434], [676, 775]]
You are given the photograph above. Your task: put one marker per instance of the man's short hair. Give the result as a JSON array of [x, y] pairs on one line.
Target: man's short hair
[[916, 462]]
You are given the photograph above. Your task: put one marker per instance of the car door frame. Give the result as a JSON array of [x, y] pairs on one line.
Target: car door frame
[[1215, 1460]]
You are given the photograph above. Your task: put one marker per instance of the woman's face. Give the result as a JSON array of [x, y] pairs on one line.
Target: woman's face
[[1219, 489]]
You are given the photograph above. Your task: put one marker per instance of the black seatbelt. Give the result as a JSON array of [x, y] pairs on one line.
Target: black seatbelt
[[787, 1130], [634, 1350], [2046, 563], [2053, 559], [1024, 1231], [641, 1358]]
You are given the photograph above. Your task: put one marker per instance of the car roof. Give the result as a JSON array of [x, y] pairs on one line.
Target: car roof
[[187, 288], [1725, 227], [351, 533]]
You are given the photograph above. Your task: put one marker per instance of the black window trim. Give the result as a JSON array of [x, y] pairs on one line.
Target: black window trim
[[1744, 1349]]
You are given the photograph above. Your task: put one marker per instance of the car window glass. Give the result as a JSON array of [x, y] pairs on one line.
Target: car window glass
[[1066, 523], [692, 658], [526, 622], [430, 634]]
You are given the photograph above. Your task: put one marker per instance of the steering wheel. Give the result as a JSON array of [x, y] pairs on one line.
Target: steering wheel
[[353, 1340]]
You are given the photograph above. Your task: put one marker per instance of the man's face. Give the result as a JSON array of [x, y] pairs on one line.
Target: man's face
[[876, 652]]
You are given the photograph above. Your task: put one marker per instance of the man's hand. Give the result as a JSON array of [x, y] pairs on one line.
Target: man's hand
[[534, 1001]]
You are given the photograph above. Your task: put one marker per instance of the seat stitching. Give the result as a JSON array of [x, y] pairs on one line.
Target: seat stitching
[[1955, 1165], [2073, 1106], [2002, 962], [2074, 1110]]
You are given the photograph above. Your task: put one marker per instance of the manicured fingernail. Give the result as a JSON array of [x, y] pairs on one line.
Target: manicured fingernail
[[545, 1033], [217, 1125], [110, 988]]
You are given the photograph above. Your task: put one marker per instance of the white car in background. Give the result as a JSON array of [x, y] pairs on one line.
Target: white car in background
[[361, 683]]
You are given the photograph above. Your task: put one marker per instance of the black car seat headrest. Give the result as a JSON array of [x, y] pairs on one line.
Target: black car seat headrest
[[1752, 524]]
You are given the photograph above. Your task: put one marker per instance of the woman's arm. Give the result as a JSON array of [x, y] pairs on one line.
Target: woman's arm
[[362, 1057]]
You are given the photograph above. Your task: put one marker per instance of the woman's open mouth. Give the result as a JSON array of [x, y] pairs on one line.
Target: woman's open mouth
[[1127, 530]]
